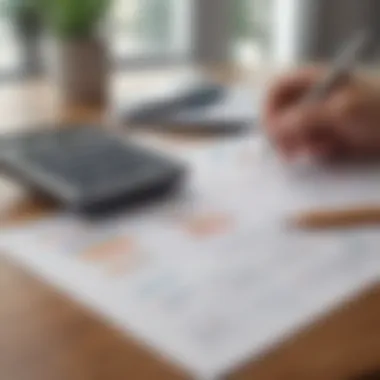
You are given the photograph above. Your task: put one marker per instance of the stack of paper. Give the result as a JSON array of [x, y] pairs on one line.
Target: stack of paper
[[212, 278]]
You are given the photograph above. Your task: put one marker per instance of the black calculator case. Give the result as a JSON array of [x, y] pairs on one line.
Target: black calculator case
[[87, 169]]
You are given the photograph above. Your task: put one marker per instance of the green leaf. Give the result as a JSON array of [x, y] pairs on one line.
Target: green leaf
[[74, 18]]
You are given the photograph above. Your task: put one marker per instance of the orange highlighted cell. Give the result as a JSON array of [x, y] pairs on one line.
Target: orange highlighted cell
[[109, 250], [208, 225]]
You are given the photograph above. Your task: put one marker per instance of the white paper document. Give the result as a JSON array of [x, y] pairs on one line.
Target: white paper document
[[213, 278]]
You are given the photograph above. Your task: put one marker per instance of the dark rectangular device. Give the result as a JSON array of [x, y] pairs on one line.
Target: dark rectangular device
[[88, 169]]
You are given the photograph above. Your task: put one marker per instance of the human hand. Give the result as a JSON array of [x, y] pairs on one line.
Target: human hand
[[346, 123]]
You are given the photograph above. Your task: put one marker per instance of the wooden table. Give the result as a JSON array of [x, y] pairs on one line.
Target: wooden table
[[45, 336]]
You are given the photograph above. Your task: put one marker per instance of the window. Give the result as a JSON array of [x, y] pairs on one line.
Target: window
[[252, 30], [142, 31], [151, 32], [10, 57], [145, 30]]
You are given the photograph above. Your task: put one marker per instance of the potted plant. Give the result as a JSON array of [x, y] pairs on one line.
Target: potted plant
[[27, 23], [81, 57]]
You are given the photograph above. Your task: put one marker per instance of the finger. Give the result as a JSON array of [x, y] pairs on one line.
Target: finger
[[315, 135], [351, 114], [286, 146], [287, 132], [289, 89], [306, 122], [286, 151], [346, 105], [285, 129], [322, 150]]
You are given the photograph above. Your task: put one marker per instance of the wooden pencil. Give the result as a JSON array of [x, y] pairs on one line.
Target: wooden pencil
[[338, 218]]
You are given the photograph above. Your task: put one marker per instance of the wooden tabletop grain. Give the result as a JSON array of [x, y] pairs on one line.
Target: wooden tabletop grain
[[45, 336]]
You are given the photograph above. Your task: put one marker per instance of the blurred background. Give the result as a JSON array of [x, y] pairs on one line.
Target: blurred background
[[41, 37], [153, 33], [150, 33]]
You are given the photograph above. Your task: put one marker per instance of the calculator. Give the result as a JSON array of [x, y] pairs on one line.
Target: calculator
[[88, 169]]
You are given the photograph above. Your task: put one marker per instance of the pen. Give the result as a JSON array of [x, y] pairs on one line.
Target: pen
[[340, 68]]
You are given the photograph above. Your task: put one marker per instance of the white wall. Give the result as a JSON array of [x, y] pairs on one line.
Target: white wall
[[287, 27]]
